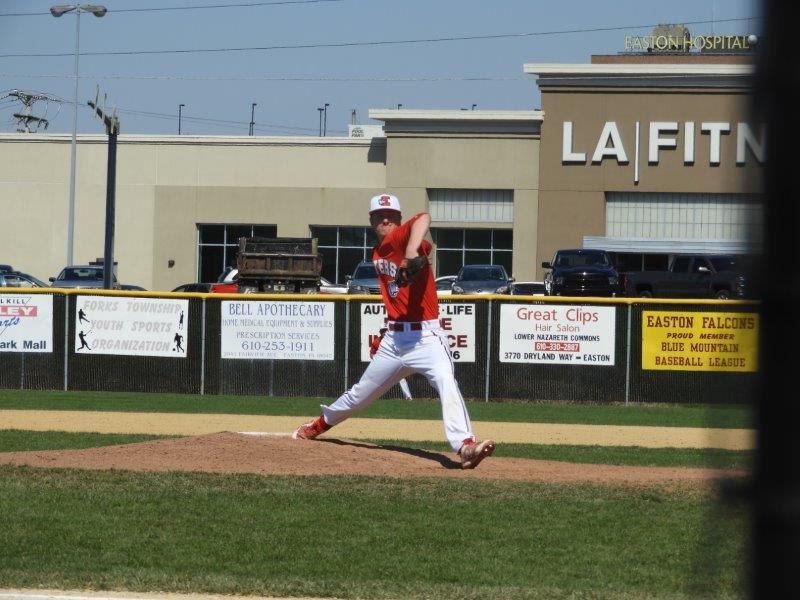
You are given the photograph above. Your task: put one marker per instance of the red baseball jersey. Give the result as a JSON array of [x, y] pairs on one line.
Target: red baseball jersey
[[414, 302]]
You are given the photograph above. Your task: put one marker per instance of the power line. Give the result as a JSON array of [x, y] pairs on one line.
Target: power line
[[202, 7], [365, 44]]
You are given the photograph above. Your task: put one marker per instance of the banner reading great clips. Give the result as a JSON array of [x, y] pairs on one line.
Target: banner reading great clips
[[131, 326], [557, 334], [277, 330], [26, 323]]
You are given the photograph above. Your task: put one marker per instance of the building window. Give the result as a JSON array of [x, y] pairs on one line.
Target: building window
[[492, 206], [342, 248], [218, 245], [458, 247]]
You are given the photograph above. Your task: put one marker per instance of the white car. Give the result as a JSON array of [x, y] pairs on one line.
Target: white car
[[328, 287], [444, 285]]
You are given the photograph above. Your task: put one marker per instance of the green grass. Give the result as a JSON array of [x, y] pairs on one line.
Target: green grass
[[12, 440], [17, 440], [673, 415], [364, 537]]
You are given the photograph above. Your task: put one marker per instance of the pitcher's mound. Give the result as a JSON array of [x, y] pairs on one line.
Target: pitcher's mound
[[265, 455]]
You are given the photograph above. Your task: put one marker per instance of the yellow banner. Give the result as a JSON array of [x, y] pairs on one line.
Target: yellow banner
[[699, 341]]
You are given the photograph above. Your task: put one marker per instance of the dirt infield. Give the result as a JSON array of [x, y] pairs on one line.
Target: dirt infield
[[268, 455]]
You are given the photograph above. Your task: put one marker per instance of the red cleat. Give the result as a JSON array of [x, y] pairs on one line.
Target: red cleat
[[310, 430]]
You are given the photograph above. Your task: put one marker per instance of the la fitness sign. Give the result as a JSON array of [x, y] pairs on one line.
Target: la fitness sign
[[662, 135]]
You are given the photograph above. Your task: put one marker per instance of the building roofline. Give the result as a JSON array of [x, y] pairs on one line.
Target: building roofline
[[189, 140], [652, 69], [404, 114]]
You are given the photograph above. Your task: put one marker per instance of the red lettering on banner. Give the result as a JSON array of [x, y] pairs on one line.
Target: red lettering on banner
[[18, 311]]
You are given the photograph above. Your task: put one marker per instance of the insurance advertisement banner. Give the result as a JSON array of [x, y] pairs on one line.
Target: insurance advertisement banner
[[699, 341], [456, 319], [131, 326], [277, 330], [26, 323], [558, 334]]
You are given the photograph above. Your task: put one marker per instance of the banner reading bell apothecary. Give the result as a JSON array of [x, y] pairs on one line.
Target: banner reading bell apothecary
[[26, 323], [557, 334], [131, 326], [277, 330]]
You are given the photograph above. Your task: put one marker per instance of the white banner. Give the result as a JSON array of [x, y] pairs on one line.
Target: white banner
[[457, 320], [277, 330], [131, 326], [557, 334], [26, 323]]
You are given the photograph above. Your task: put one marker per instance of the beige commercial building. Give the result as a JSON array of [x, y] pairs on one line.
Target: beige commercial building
[[641, 159]]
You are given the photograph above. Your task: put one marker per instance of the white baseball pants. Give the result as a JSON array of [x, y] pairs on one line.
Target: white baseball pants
[[400, 354]]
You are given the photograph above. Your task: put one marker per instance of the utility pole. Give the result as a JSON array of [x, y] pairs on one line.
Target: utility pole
[[325, 125], [25, 120], [252, 116], [112, 130], [180, 107], [320, 109]]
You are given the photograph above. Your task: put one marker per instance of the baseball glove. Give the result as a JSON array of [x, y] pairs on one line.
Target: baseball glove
[[409, 269]]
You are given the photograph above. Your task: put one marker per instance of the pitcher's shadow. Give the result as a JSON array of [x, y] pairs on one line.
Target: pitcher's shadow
[[443, 460]]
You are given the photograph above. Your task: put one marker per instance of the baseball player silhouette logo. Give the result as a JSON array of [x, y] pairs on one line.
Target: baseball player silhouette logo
[[82, 338], [414, 340], [82, 316], [178, 339]]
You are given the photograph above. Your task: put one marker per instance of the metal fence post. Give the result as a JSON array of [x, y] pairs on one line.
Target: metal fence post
[[488, 351], [203, 348], [628, 358], [346, 340], [66, 342]]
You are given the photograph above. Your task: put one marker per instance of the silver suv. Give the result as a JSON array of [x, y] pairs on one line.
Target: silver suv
[[83, 276]]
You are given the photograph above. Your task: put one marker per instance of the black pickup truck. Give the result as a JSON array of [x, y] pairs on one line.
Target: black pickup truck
[[693, 276], [581, 272]]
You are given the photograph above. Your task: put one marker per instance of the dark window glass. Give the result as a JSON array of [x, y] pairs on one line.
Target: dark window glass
[[681, 264], [348, 260], [503, 258], [329, 264], [212, 262], [351, 236], [230, 255], [448, 262], [478, 238], [237, 231], [211, 234], [326, 236], [449, 238], [656, 262], [477, 257], [267, 231], [503, 239]]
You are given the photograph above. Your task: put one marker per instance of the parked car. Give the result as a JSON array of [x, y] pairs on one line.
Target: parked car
[[482, 279], [194, 287], [444, 285], [691, 276], [528, 288], [364, 279], [6, 268], [82, 276], [132, 288], [16, 279], [328, 287], [582, 272]]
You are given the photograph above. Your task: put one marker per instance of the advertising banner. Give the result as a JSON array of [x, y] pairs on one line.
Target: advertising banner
[[699, 341], [26, 323], [277, 330], [131, 326], [457, 320], [557, 334]]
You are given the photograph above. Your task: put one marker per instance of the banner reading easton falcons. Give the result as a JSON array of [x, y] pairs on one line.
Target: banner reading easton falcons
[[131, 326], [558, 334], [456, 319], [26, 323]]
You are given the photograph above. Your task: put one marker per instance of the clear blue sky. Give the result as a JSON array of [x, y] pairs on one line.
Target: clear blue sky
[[222, 85]]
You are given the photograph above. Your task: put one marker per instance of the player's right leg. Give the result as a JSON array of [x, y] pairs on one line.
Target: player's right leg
[[383, 372]]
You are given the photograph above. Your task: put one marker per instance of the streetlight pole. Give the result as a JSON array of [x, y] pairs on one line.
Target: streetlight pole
[[57, 11], [320, 109], [325, 124], [180, 107], [252, 116]]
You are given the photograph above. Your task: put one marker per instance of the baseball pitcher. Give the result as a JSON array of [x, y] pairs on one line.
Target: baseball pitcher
[[414, 341]]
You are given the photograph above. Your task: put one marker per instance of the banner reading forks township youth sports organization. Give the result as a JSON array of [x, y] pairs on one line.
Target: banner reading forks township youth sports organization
[[699, 341], [131, 326]]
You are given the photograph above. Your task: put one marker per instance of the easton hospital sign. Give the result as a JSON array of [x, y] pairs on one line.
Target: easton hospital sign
[[662, 135]]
